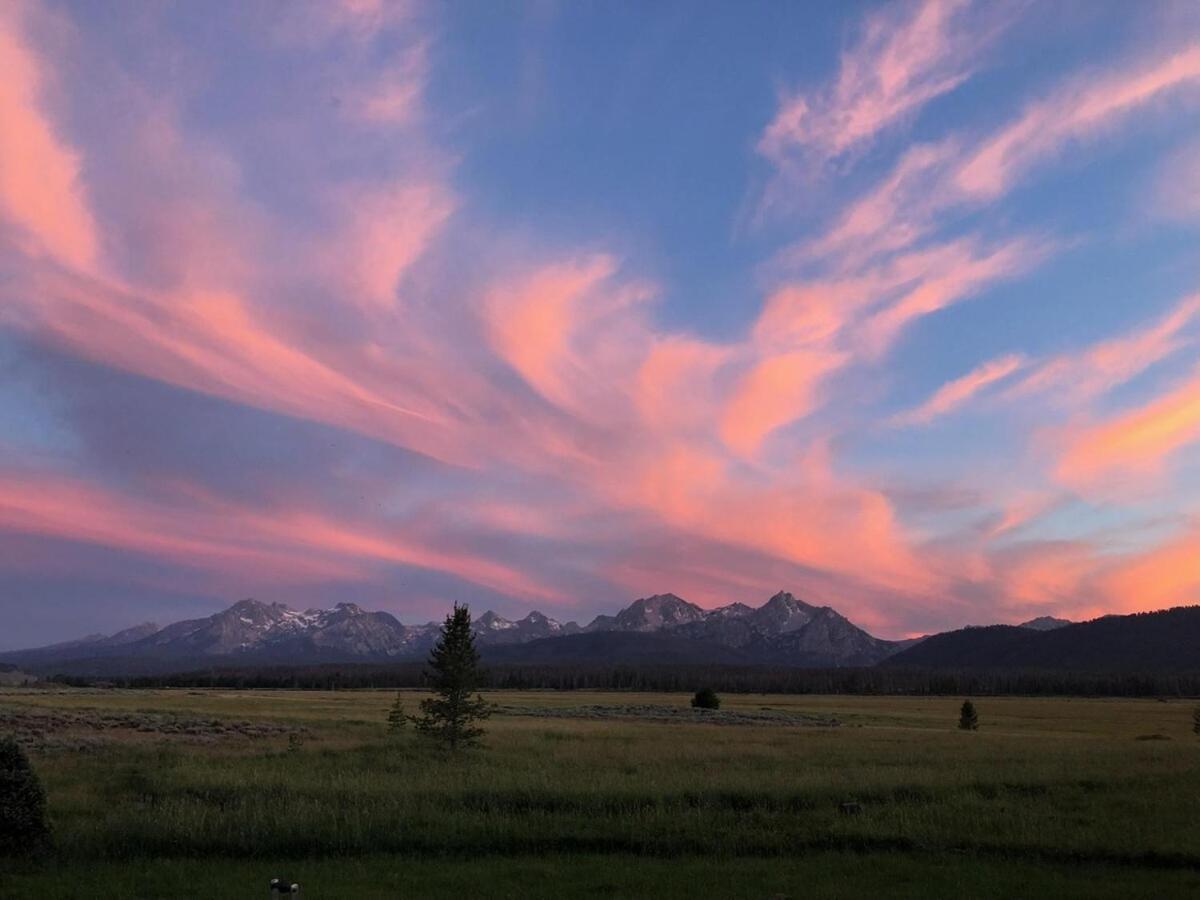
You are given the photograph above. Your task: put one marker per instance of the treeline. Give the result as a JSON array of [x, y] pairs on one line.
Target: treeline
[[729, 679]]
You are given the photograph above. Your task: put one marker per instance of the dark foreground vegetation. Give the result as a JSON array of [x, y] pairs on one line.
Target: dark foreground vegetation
[[724, 679], [172, 792]]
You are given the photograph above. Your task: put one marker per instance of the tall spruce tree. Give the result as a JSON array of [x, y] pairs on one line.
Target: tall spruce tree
[[968, 719], [451, 715]]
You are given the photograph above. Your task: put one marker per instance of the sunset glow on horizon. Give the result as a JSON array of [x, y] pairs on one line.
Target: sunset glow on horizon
[[895, 306]]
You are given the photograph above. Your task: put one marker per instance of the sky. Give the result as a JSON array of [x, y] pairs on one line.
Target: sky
[[539, 305]]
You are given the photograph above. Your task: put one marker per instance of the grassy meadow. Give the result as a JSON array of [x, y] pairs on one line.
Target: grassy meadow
[[211, 793]]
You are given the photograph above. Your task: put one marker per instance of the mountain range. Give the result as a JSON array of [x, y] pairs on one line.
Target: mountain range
[[783, 631], [660, 630]]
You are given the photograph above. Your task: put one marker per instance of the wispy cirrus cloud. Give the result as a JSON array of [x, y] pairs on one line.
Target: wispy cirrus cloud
[[906, 55], [1079, 109], [1077, 377], [954, 394]]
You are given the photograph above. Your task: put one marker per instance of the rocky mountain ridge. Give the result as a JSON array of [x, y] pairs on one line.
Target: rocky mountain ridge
[[783, 630]]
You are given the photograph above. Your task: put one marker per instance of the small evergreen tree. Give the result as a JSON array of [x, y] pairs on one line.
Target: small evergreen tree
[[706, 698], [968, 719], [397, 717], [451, 715], [23, 827], [1196, 720]]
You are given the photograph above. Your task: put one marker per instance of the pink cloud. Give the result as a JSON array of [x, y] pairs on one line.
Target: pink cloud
[[953, 394], [40, 186], [1076, 377], [675, 388], [907, 55], [975, 269], [309, 22], [1073, 112], [386, 229], [1176, 189], [197, 529], [395, 97], [1026, 507]]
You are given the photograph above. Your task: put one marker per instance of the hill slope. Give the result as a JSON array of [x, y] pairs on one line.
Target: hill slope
[[1168, 639]]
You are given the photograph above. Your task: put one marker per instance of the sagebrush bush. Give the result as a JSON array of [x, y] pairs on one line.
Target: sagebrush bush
[[23, 825]]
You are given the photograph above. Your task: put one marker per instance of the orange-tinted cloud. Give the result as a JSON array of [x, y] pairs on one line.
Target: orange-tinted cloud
[[1165, 575], [1081, 579], [773, 392], [1133, 443]]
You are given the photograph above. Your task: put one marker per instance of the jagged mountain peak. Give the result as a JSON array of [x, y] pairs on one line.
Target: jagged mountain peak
[[782, 613], [256, 610], [658, 611], [491, 628], [492, 620], [788, 600]]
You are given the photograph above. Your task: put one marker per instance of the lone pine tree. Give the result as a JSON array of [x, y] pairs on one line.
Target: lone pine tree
[[1196, 720], [450, 716], [968, 719], [397, 717]]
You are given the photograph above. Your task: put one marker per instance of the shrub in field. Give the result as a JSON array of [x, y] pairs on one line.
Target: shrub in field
[[1196, 720], [450, 716], [706, 698], [23, 825], [397, 718], [968, 719]]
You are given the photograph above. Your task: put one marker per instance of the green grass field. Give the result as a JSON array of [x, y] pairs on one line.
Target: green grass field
[[210, 793]]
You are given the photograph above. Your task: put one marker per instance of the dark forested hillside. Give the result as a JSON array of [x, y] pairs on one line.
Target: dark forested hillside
[[618, 648], [1165, 640], [685, 677]]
